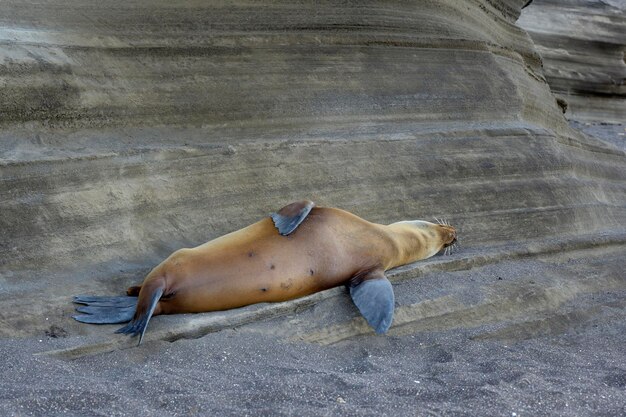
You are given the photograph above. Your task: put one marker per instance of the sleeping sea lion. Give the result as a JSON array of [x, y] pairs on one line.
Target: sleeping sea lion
[[297, 251]]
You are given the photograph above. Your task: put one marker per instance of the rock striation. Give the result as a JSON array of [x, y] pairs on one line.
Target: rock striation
[[129, 130], [582, 44]]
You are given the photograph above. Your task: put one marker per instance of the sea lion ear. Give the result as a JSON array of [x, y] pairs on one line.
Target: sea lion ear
[[288, 218], [375, 300]]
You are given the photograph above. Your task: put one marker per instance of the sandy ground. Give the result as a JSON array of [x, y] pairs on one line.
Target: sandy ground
[[234, 373]]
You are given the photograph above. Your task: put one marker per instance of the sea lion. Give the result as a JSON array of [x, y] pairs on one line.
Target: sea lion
[[297, 251]]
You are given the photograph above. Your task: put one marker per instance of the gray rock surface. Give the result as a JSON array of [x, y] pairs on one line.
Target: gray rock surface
[[129, 130], [582, 44]]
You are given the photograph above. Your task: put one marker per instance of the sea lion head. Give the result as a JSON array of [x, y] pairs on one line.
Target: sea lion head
[[433, 237], [448, 234], [445, 235]]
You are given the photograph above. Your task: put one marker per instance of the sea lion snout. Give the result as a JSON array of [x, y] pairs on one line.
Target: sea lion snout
[[449, 236]]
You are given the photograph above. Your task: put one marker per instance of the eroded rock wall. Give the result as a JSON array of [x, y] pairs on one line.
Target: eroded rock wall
[[77, 63], [130, 130], [582, 43]]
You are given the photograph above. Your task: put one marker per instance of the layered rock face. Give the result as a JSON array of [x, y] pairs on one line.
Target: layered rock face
[[131, 130], [582, 43]]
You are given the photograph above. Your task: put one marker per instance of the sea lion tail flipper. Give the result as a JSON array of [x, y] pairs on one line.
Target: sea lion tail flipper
[[288, 218], [105, 310], [375, 300], [148, 300]]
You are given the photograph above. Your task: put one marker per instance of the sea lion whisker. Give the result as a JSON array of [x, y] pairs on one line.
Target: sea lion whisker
[[454, 247]]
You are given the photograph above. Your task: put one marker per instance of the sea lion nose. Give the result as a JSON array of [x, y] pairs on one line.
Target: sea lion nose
[[452, 235]]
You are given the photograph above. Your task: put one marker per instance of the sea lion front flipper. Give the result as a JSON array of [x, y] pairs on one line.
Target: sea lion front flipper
[[105, 310], [288, 218], [375, 300]]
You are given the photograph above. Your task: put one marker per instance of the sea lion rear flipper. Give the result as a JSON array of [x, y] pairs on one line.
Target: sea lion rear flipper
[[288, 218], [375, 300], [105, 310], [148, 300]]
